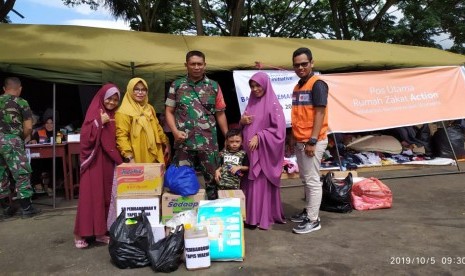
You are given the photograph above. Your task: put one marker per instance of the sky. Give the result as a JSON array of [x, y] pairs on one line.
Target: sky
[[54, 12]]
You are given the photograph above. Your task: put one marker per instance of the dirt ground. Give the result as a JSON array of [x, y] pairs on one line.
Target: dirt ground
[[422, 234]]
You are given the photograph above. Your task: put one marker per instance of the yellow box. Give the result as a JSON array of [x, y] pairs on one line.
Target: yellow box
[[140, 179], [234, 194]]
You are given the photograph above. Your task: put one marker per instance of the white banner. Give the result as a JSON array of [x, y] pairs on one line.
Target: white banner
[[283, 83]]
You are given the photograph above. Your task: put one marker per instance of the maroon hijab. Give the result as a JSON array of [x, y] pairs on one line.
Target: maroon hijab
[[94, 134], [270, 126]]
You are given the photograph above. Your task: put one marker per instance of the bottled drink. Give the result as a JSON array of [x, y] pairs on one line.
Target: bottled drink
[[58, 141], [238, 173]]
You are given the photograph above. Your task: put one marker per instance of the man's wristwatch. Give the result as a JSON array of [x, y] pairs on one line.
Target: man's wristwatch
[[312, 141], [127, 159]]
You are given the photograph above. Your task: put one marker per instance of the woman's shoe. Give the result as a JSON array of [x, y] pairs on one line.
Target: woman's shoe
[[81, 243], [250, 226], [103, 239]]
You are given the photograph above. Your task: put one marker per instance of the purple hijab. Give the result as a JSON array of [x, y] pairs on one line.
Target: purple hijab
[[270, 126]]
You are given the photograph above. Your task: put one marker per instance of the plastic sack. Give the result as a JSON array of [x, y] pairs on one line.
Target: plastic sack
[[184, 217], [129, 241], [165, 255], [336, 194], [181, 180], [370, 194], [441, 143]]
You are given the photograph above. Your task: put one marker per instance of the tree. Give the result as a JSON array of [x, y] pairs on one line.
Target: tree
[[197, 16], [358, 19], [286, 18], [413, 22], [236, 8], [453, 23], [142, 15], [223, 17], [5, 7]]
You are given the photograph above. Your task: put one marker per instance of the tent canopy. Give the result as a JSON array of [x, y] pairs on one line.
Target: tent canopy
[[86, 55]]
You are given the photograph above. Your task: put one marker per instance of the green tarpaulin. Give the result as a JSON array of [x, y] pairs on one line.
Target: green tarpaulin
[[85, 55]]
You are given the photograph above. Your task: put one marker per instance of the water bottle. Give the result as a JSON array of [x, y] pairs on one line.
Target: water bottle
[[238, 173]]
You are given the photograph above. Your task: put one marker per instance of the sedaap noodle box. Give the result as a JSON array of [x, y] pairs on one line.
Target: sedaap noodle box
[[139, 179], [172, 204]]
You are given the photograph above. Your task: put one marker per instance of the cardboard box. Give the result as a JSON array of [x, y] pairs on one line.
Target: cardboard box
[[172, 204], [343, 174], [234, 194], [73, 138], [135, 205], [144, 179]]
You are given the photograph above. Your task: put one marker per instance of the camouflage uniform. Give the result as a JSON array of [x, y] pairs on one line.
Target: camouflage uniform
[[228, 180], [195, 108], [13, 112]]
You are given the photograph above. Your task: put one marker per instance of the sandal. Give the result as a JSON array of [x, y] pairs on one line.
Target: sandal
[[103, 239], [80, 244]]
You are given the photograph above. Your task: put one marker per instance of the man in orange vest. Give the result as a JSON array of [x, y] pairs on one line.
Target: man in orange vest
[[309, 118]]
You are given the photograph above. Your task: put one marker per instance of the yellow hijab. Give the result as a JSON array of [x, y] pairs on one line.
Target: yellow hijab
[[143, 114]]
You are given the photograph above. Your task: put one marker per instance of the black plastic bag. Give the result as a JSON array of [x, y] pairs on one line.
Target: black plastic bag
[[165, 255], [336, 194], [442, 146], [129, 241]]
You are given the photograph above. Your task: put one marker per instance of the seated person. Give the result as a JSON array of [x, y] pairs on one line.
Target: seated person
[[413, 137], [35, 121], [43, 134], [42, 168]]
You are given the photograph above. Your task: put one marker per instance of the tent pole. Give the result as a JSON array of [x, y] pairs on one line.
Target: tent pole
[[451, 147], [337, 151], [54, 146]]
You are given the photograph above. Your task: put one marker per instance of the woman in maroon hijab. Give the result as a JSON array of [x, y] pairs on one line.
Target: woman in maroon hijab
[[264, 135], [99, 157]]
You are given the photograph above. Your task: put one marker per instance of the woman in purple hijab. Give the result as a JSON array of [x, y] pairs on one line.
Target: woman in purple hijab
[[264, 135]]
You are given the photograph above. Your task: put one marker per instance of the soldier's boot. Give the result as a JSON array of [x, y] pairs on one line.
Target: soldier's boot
[[8, 210], [2, 205], [28, 209]]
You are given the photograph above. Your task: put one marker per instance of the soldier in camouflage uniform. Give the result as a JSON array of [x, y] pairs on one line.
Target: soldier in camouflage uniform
[[233, 162], [193, 107], [15, 125]]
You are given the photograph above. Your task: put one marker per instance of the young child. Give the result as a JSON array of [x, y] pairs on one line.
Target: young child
[[233, 162]]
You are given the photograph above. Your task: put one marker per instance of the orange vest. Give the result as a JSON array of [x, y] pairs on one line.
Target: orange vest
[[42, 135], [302, 112]]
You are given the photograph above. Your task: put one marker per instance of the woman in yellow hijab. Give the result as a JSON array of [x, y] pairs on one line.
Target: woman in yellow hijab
[[139, 136]]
